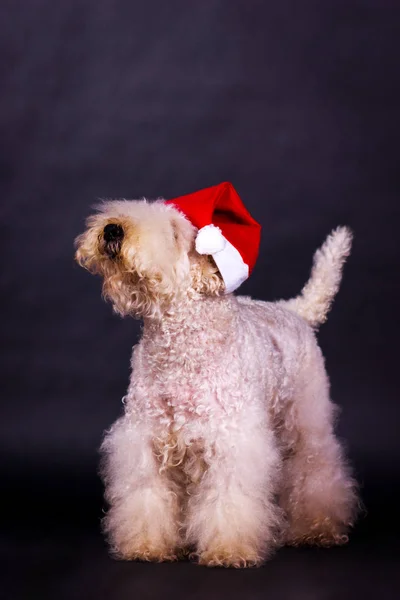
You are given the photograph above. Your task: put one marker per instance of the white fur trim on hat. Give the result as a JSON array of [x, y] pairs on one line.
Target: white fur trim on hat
[[234, 271], [209, 240]]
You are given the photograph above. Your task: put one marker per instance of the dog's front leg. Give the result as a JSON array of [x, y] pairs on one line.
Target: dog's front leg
[[231, 518], [142, 521]]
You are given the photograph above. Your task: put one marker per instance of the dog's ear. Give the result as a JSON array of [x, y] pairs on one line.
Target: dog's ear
[[183, 232], [206, 278], [204, 274]]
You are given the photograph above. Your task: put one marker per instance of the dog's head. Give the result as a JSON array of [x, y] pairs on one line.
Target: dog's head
[[145, 253]]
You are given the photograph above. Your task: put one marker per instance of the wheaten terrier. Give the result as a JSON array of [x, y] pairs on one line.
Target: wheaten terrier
[[226, 448]]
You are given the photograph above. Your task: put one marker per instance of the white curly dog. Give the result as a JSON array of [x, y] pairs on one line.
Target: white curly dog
[[226, 448]]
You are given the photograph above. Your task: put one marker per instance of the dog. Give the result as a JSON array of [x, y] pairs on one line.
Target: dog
[[226, 449]]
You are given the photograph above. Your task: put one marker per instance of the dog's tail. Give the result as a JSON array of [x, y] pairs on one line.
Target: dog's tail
[[315, 300]]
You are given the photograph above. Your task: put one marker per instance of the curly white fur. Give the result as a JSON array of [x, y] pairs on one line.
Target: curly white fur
[[316, 298], [226, 448]]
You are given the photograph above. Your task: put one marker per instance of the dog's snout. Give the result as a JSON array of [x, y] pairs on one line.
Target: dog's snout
[[113, 233]]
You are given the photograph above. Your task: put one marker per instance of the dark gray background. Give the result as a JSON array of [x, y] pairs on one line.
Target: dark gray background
[[296, 103]]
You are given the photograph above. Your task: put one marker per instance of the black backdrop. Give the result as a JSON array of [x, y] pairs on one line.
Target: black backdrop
[[296, 103]]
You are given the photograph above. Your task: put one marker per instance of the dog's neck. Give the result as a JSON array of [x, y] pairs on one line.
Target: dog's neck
[[192, 314]]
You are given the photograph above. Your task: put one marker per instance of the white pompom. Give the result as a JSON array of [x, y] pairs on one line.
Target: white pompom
[[210, 240]]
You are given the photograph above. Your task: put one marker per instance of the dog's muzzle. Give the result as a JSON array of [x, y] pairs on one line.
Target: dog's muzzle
[[113, 235]]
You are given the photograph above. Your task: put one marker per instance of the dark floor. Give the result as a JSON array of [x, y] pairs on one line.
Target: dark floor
[[62, 555], [74, 564]]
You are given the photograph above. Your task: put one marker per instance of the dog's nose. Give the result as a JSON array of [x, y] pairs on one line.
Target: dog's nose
[[113, 233]]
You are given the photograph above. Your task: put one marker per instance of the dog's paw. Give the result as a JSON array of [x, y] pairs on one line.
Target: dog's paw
[[239, 559], [146, 552], [322, 532]]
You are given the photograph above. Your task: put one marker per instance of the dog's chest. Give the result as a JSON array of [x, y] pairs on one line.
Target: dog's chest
[[184, 376], [186, 391], [181, 357]]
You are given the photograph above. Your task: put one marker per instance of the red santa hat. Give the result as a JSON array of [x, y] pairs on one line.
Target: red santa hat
[[226, 231]]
